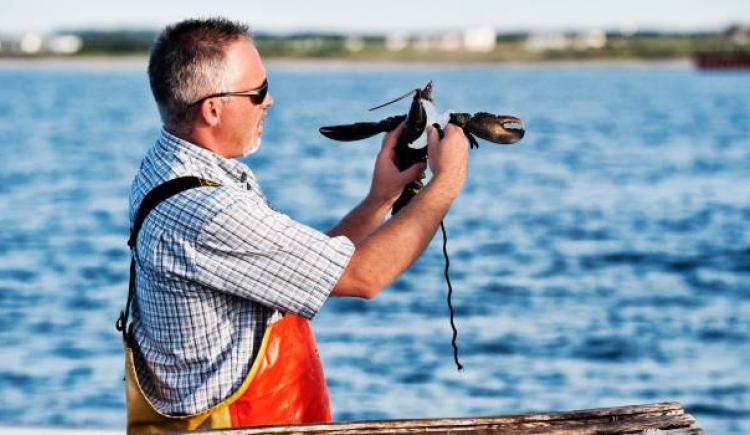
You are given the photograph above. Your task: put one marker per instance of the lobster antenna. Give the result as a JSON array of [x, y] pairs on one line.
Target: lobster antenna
[[393, 101]]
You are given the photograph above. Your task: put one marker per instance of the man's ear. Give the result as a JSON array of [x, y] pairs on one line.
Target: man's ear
[[210, 111]]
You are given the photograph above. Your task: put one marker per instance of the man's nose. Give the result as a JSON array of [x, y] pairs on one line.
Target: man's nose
[[268, 102]]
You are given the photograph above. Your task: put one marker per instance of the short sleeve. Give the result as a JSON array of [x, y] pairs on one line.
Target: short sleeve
[[256, 253]]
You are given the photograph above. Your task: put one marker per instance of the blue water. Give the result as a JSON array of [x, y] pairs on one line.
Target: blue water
[[602, 261]]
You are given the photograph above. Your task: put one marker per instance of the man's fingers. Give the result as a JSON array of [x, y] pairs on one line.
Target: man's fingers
[[415, 172], [454, 132], [452, 129], [390, 139]]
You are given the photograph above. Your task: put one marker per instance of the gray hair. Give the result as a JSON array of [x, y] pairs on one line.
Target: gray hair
[[188, 62]]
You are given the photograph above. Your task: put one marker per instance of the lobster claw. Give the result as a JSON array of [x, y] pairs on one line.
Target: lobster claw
[[502, 129], [360, 130]]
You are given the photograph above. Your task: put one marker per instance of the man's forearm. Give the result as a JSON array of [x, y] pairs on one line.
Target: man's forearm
[[362, 220], [393, 247]]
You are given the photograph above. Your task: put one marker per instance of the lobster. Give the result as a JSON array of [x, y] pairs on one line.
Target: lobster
[[411, 146]]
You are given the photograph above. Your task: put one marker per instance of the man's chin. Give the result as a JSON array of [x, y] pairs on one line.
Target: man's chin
[[252, 149]]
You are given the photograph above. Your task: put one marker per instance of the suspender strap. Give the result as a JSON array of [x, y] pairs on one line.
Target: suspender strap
[[153, 198]]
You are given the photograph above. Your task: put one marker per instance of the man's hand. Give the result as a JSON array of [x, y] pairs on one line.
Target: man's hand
[[387, 180], [449, 157], [393, 246]]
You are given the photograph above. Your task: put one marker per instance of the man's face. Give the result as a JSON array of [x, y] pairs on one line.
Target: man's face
[[242, 120]]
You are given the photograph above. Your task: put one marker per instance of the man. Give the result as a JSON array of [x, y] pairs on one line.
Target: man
[[224, 284]]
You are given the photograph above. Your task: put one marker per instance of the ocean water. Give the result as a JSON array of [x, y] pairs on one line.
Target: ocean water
[[604, 260]]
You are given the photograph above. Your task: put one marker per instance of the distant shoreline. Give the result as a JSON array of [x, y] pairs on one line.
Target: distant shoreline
[[139, 63]]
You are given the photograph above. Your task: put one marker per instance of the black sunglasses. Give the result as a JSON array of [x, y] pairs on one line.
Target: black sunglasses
[[257, 96]]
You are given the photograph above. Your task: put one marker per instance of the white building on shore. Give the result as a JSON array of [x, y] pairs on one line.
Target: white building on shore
[[32, 44], [479, 39], [592, 39]]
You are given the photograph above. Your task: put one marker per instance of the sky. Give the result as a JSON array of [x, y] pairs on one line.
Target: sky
[[381, 15]]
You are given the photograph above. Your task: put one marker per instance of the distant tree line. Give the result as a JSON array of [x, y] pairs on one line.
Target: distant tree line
[[506, 46], [116, 42]]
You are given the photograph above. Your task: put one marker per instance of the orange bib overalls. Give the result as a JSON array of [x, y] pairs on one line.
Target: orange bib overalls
[[285, 384]]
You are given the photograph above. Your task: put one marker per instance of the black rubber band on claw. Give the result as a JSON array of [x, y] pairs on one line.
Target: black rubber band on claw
[[437, 127]]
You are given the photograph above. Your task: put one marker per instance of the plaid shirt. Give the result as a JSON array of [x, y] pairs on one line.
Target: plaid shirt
[[215, 266]]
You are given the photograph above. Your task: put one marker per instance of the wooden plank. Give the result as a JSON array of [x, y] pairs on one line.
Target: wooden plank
[[616, 420], [559, 428], [633, 426], [682, 431], [614, 412]]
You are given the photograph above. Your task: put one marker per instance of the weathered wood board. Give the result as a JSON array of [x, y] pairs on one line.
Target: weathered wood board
[[668, 418]]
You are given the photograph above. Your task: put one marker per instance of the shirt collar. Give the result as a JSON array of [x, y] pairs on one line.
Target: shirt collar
[[235, 169]]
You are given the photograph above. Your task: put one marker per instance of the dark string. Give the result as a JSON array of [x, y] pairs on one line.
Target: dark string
[[450, 293]]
